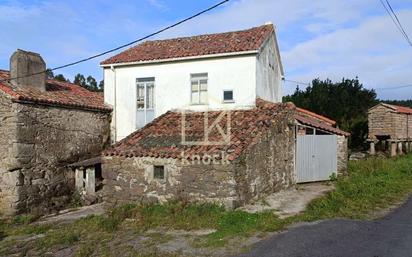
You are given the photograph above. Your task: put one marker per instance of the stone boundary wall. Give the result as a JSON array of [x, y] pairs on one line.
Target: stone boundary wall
[[132, 180], [46, 140]]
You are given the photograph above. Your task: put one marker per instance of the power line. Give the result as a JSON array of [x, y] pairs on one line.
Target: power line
[[391, 16], [400, 24], [381, 88], [122, 46], [395, 20], [397, 87], [296, 82]]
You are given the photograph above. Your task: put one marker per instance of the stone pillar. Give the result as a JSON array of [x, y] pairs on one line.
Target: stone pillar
[[400, 146], [372, 148], [90, 181], [393, 148], [79, 179]]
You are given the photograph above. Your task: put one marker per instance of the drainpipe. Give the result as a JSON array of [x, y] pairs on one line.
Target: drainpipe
[[115, 103]]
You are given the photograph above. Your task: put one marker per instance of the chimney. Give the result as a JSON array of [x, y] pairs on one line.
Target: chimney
[[22, 64]]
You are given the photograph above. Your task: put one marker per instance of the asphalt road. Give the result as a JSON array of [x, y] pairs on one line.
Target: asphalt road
[[390, 236]]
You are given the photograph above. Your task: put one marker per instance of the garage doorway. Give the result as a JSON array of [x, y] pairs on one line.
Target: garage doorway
[[316, 157]]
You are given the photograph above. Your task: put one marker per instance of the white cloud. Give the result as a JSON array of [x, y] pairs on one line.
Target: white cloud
[[158, 4], [322, 38], [327, 39], [373, 50]]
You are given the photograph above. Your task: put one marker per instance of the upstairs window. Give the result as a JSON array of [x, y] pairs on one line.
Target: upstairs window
[[228, 96], [198, 83], [145, 93]]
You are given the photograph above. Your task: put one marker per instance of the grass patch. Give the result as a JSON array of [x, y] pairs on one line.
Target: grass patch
[[372, 184]]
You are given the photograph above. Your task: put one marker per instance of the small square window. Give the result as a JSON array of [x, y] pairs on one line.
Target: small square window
[[228, 95], [159, 172]]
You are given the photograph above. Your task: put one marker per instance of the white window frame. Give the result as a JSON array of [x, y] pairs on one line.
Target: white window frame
[[198, 77], [144, 81]]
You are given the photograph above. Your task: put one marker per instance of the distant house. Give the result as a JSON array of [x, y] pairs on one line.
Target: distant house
[[262, 150], [44, 125], [390, 128], [216, 71]]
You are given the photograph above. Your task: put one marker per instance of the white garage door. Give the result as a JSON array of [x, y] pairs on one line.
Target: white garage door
[[316, 157]]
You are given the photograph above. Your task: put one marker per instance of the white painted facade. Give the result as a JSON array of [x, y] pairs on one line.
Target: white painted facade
[[248, 74]]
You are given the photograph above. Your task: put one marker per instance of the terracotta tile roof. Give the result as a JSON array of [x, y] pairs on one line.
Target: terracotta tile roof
[[162, 137], [57, 93], [319, 117], [310, 121], [399, 109], [229, 42]]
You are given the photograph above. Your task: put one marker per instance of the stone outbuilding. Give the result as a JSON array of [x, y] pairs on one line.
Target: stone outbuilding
[[221, 156], [44, 125], [390, 129]]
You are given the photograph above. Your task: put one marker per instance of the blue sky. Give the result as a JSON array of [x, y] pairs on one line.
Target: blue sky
[[322, 38]]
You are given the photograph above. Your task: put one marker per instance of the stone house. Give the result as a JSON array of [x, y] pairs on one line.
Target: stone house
[[44, 125], [390, 128], [214, 71], [223, 156]]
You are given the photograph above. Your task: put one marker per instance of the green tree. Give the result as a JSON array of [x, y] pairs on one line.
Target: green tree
[[346, 101], [49, 74], [407, 103], [101, 85], [91, 83], [60, 77], [80, 80]]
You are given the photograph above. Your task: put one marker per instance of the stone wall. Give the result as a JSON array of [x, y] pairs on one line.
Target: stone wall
[[403, 127], [47, 139], [8, 179], [384, 121], [131, 179], [268, 166], [380, 122], [342, 151]]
